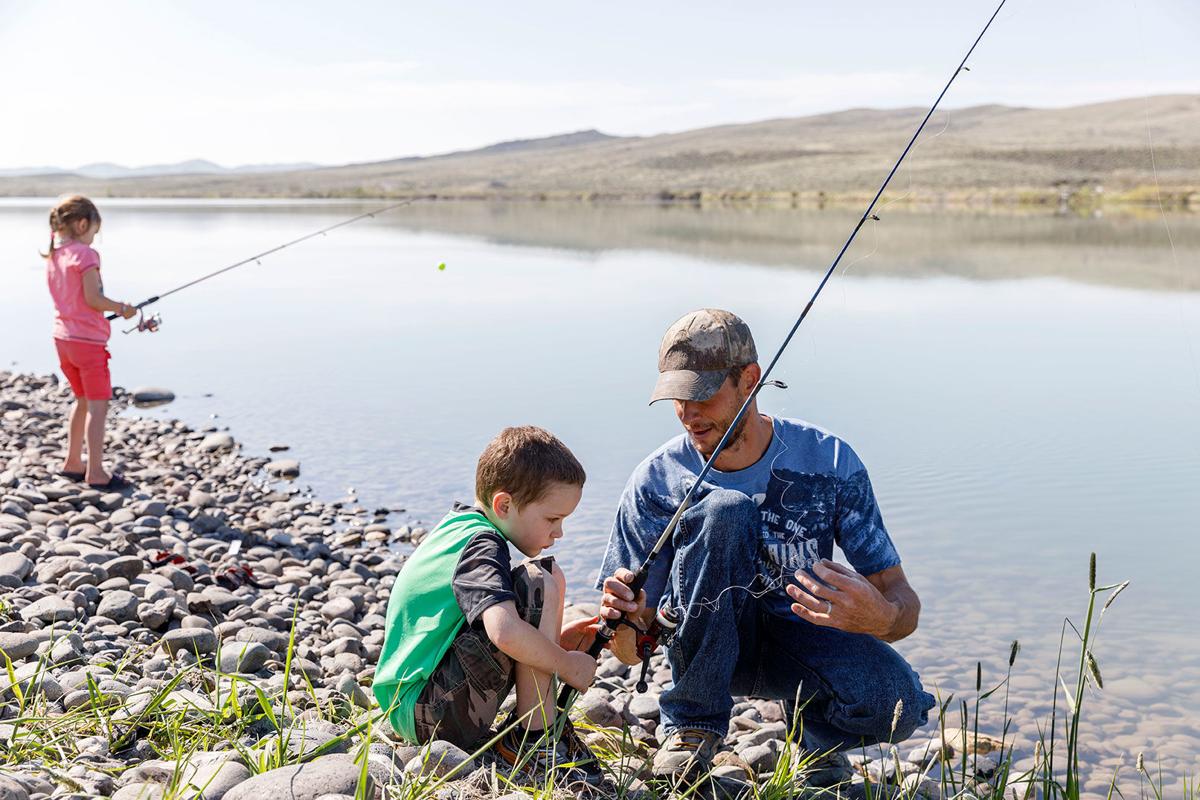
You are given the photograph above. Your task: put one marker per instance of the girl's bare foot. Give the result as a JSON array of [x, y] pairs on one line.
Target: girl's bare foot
[[100, 478]]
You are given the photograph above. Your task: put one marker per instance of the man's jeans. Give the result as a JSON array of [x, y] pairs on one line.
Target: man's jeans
[[731, 643]]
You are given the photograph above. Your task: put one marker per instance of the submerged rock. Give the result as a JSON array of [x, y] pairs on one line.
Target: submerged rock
[[151, 396]]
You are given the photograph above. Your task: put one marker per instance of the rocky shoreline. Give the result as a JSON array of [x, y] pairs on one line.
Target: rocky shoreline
[[211, 632]]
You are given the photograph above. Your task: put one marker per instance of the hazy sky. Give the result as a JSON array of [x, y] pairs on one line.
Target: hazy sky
[[250, 82]]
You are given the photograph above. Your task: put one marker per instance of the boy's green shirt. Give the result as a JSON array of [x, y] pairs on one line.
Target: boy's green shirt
[[423, 617]]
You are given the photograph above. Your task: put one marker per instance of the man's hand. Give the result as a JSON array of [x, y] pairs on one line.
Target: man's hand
[[578, 669], [617, 599], [849, 602]]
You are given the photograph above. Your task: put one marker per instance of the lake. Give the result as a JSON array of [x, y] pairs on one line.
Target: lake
[[1024, 390]]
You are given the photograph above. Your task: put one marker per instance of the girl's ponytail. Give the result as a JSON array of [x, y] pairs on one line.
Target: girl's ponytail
[[69, 209], [53, 230]]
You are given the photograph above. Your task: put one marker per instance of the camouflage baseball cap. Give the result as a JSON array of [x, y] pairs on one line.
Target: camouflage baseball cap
[[697, 353]]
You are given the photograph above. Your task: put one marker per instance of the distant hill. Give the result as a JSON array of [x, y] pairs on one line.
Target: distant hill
[[976, 154], [107, 171]]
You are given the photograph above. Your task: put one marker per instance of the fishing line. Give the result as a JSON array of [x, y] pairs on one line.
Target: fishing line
[[608, 630], [144, 325]]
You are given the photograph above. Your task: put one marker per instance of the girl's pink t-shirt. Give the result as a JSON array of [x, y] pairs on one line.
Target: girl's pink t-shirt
[[74, 319]]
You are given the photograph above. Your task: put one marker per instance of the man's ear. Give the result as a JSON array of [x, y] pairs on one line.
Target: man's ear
[[502, 504], [750, 377]]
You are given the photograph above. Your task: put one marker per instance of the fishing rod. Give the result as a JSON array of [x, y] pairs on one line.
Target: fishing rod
[[665, 621], [151, 324]]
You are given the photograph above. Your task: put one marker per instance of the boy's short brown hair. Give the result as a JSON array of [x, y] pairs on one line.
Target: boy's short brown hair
[[525, 461]]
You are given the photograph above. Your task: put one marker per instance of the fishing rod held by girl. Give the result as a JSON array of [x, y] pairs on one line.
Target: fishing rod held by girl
[[152, 324], [609, 629]]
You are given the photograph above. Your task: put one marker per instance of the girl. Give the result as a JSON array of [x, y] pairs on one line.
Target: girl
[[81, 333]]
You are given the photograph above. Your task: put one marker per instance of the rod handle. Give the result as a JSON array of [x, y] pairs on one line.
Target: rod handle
[[138, 307]]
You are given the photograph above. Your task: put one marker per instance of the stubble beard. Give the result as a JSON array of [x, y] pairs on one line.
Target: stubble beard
[[734, 439]]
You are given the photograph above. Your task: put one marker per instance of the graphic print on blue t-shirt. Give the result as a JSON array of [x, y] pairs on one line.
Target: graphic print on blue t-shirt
[[811, 489]]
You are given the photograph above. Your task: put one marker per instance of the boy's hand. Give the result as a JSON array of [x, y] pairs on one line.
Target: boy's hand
[[127, 311], [579, 634], [617, 598], [578, 669]]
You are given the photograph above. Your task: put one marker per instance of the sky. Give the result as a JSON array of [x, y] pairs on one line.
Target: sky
[[141, 83]]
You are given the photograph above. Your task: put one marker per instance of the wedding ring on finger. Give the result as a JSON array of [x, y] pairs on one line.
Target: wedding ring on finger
[[828, 607]]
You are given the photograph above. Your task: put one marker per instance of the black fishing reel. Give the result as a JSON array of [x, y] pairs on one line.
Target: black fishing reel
[[659, 632]]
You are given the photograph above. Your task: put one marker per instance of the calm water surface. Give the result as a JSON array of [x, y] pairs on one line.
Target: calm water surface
[[1024, 390]]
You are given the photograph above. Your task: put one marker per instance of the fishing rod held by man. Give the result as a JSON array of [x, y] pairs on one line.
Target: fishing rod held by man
[[633, 583]]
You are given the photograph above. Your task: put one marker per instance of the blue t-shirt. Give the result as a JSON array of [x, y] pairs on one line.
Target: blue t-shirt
[[811, 489]]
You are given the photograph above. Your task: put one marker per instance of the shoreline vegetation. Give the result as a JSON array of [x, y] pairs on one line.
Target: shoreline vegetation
[[1138, 154], [213, 632]]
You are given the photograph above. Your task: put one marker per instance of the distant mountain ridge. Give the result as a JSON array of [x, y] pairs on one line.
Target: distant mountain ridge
[[104, 170], [979, 154]]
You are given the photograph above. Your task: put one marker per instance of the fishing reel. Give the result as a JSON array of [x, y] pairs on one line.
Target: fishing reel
[[660, 630], [146, 324]]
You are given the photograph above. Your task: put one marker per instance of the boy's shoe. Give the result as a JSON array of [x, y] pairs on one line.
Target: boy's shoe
[[686, 755], [536, 756], [581, 756]]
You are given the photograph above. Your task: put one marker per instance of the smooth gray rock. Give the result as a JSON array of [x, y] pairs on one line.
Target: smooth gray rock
[[644, 706], [127, 567], [242, 656], [12, 790], [18, 646], [272, 640], [140, 791], [213, 781], [597, 708], [118, 605], [157, 614], [307, 740], [284, 468], [217, 442], [190, 640], [31, 678], [439, 758], [151, 395], [338, 608], [333, 774], [760, 758], [18, 565], [48, 610]]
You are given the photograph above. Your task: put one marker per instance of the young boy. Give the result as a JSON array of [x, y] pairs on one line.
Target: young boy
[[464, 625]]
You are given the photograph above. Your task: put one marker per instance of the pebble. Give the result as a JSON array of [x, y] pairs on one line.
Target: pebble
[[242, 656], [338, 608], [16, 565], [439, 758], [217, 442], [49, 610], [284, 468], [17, 646], [118, 605], [644, 706], [332, 774], [190, 640], [151, 395]]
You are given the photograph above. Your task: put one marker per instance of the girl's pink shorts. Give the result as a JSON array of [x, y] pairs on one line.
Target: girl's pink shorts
[[86, 366]]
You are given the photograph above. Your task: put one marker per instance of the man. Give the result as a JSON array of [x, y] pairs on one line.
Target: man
[[765, 611]]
